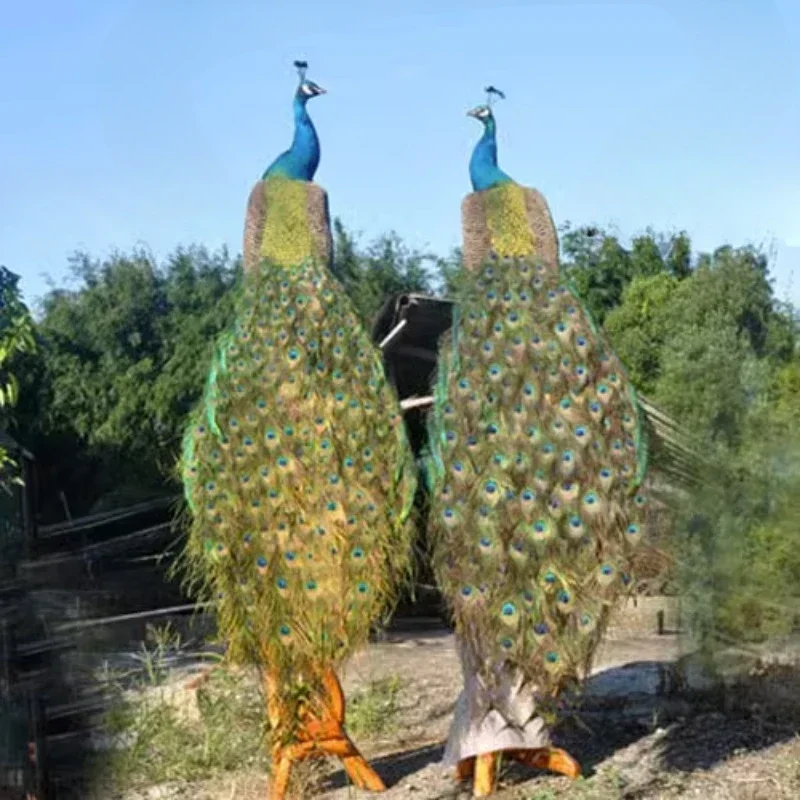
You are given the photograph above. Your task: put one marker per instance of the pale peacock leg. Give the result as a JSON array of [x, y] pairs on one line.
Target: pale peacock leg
[[319, 736]]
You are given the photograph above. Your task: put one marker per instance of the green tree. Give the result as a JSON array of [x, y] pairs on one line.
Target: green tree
[[640, 326], [384, 267], [124, 356], [17, 337]]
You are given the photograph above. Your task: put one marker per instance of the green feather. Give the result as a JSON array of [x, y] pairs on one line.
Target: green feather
[[299, 477], [532, 469]]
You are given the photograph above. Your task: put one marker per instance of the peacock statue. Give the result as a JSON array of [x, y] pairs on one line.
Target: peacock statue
[[535, 466], [297, 472]]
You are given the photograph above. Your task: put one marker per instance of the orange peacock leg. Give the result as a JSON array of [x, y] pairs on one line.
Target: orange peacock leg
[[550, 758], [319, 734], [485, 774], [483, 768], [465, 769]]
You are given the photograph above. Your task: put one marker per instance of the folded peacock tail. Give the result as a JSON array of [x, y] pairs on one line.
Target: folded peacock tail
[[537, 456], [296, 466]]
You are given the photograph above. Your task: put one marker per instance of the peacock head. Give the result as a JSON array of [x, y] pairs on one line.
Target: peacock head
[[307, 89], [484, 112]]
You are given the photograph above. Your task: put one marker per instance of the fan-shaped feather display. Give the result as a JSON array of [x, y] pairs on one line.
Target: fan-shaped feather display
[[537, 460], [299, 478]]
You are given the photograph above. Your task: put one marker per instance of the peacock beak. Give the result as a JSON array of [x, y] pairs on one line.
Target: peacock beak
[[320, 90], [474, 112]]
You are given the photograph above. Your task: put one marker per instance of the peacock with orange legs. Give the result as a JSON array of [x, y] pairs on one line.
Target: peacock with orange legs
[[297, 471], [536, 462]]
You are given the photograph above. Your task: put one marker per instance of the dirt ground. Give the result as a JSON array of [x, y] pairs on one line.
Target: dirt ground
[[640, 736]]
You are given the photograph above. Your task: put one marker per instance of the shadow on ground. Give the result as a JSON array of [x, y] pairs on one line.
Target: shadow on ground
[[667, 728], [395, 767]]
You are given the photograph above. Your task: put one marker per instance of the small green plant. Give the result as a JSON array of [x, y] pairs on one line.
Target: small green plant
[[373, 711], [163, 733]]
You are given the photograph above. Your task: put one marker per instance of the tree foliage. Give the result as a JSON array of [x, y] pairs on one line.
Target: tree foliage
[[16, 338]]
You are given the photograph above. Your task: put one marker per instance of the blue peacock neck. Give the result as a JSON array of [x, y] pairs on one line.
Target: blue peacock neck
[[305, 143], [483, 168], [490, 133]]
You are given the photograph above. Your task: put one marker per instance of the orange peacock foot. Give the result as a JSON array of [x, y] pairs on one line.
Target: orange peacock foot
[[323, 736], [482, 769]]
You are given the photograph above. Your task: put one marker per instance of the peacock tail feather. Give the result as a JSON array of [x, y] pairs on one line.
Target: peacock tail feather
[[296, 467], [536, 463]]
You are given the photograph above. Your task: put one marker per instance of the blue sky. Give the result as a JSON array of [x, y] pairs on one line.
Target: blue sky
[[148, 122]]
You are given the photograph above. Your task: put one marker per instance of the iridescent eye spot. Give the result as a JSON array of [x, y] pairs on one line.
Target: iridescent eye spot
[[508, 610], [575, 522], [466, 591], [358, 553], [541, 629], [490, 487], [607, 569], [281, 583], [549, 578], [551, 657]]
